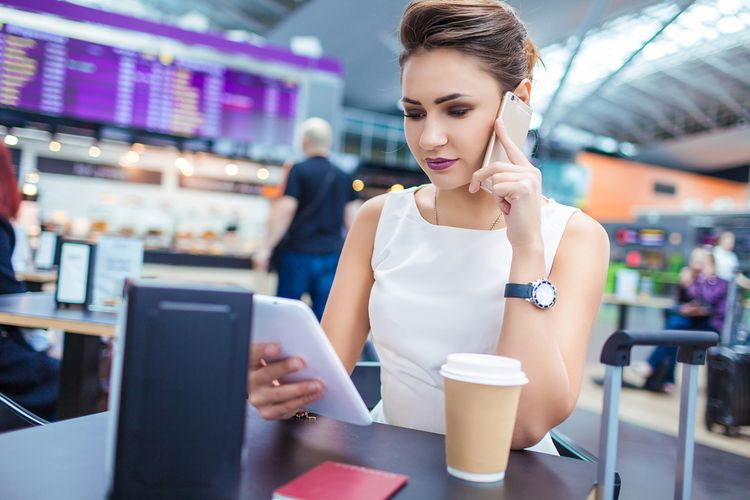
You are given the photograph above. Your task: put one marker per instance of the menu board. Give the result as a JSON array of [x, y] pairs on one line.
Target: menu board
[[57, 75], [117, 259]]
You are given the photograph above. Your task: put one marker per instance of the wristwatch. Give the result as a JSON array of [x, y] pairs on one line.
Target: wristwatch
[[542, 293]]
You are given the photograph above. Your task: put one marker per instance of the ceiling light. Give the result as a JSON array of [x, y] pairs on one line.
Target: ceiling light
[[628, 148], [11, 140], [705, 13], [262, 173], [729, 7], [231, 169], [55, 146], [30, 190], [95, 152], [132, 156], [358, 185], [730, 24], [607, 144], [308, 46], [181, 162]]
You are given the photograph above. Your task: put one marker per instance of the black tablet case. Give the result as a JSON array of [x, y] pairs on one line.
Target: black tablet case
[[179, 419]]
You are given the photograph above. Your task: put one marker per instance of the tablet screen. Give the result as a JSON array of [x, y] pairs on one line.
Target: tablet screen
[[73, 277], [293, 325]]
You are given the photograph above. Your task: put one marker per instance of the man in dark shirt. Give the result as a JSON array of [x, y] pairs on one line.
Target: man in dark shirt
[[308, 221]]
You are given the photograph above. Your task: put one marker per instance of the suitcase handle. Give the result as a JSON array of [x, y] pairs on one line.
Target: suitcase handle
[[692, 345], [616, 354]]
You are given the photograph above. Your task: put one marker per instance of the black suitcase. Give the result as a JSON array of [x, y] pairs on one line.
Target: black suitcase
[[728, 388]]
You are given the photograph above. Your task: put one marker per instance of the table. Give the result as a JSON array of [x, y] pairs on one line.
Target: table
[[639, 301], [79, 373], [35, 280], [66, 460]]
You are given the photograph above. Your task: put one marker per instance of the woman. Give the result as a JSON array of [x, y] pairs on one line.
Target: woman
[[28, 377], [425, 269], [701, 306], [10, 200]]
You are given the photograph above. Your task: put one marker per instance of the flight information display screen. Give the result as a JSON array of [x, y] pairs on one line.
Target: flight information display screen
[[56, 75]]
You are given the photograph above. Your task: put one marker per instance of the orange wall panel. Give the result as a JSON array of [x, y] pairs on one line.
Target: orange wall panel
[[618, 186]]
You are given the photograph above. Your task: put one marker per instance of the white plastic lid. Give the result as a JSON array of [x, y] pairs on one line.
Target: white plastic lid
[[485, 369]]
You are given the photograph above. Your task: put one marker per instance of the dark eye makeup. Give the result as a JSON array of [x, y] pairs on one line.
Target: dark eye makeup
[[454, 111]]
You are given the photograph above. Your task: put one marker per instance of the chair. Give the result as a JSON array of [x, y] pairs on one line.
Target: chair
[[566, 447], [14, 416], [366, 378]]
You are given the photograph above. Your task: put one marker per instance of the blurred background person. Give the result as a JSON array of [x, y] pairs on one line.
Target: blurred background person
[[304, 233], [28, 377], [701, 305], [727, 262]]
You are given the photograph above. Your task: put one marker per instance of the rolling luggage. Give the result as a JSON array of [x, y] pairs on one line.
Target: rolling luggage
[[615, 355], [728, 385], [728, 388]]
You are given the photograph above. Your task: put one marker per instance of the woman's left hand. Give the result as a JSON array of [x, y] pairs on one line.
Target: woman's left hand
[[517, 187]]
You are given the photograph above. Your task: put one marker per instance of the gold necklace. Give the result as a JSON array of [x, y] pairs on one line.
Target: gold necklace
[[434, 206]]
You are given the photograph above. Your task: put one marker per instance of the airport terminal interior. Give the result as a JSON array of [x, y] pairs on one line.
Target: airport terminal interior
[[163, 139]]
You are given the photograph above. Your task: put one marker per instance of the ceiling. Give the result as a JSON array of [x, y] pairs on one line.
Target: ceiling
[[647, 78]]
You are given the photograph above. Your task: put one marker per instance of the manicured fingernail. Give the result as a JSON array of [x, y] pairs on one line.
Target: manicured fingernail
[[295, 364], [313, 387], [271, 350]]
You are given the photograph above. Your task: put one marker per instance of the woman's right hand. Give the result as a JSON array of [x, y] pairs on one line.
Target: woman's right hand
[[273, 399]]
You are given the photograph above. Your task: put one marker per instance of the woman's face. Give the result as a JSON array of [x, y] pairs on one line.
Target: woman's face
[[698, 259], [450, 106]]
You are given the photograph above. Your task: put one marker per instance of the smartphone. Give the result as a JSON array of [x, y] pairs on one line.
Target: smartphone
[[516, 116]]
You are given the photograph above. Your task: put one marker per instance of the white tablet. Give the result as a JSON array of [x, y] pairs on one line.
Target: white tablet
[[293, 325]]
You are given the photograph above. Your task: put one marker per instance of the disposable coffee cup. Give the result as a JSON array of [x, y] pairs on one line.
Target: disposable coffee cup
[[481, 400]]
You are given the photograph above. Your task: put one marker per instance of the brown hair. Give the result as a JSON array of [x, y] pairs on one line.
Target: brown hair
[[487, 29]]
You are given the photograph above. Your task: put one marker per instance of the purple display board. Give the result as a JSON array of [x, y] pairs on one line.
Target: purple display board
[[56, 75], [267, 52]]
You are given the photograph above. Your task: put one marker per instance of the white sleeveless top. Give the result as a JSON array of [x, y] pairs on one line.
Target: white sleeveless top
[[438, 290]]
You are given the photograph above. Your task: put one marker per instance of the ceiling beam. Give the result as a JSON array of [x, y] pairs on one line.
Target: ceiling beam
[[679, 102], [739, 73], [244, 20], [592, 16], [278, 9], [643, 102], [291, 5], [708, 87], [586, 101], [627, 124], [648, 105]]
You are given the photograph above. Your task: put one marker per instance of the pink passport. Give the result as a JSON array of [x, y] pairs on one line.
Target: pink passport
[[337, 481]]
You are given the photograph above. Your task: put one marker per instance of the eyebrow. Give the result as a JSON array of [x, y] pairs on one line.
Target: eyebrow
[[439, 100]]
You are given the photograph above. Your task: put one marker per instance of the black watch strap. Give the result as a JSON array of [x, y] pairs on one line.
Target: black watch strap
[[517, 290]]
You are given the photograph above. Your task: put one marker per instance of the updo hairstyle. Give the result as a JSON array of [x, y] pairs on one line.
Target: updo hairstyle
[[487, 29]]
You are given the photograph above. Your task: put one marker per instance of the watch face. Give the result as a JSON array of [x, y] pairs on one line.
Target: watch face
[[545, 294]]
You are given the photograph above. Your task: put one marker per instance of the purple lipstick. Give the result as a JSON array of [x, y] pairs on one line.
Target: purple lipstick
[[439, 163]]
